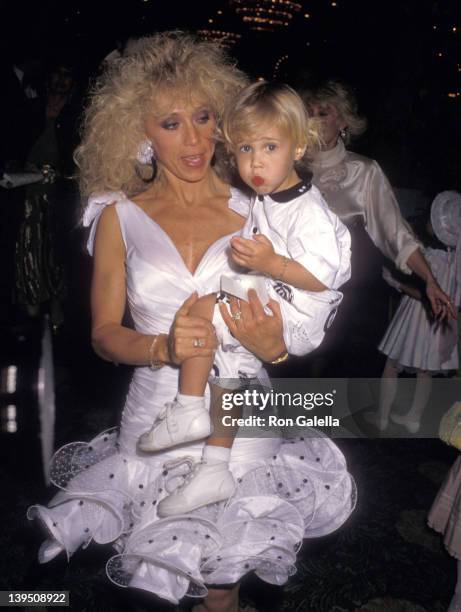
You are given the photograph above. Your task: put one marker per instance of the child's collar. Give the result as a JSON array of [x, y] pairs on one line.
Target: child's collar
[[282, 197]]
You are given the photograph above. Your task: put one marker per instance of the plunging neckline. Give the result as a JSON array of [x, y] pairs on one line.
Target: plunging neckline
[[174, 248]]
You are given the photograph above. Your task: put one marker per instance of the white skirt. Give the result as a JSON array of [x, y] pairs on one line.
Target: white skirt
[[417, 342], [286, 490], [414, 338]]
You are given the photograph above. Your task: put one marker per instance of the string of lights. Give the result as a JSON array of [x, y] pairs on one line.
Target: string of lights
[[228, 39], [266, 15], [278, 65], [218, 30]]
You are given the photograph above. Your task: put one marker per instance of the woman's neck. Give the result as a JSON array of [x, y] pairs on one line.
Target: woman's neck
[[330, 157], [189, 194]]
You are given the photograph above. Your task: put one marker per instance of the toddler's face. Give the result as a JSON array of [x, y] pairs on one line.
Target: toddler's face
[[265, 160]]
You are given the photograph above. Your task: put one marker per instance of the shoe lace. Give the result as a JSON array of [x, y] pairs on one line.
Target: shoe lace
[[166, 415], [191, 467]]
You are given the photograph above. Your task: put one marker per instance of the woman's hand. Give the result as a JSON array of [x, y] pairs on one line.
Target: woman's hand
[[258, 332], [441, 304], [190, 336]]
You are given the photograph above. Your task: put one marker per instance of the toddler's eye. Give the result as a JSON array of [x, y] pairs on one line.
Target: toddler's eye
[[245, 148], [271, 146]]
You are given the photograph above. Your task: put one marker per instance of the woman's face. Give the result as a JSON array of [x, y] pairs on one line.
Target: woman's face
[[182, 137], [331, 123]]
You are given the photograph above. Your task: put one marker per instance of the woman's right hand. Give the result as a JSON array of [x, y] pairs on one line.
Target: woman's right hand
[[259, 332], [186, 330]]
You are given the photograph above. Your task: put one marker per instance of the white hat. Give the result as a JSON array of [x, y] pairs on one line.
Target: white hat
[[446, 217]]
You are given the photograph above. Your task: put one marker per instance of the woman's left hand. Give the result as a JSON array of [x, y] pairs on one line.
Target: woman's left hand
[[258, 332], [441, 304]]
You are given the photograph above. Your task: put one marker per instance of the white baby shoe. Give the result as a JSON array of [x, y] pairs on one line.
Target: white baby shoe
[[175, 425], [206, 483]]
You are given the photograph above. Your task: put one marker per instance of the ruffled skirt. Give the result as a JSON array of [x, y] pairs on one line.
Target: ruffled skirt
[[415, 340], [286, 490]]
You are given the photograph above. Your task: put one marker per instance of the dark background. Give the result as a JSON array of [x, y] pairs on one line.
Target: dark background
[[403, 57]]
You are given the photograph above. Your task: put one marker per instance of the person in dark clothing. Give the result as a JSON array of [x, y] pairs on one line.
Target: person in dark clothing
[[49, 205], [17, 72]]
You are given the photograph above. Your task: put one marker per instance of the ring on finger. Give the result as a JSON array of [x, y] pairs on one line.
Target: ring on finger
[[199, 343], [236, 316]]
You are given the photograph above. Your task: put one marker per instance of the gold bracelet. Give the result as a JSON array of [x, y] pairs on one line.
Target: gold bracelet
[[153, 363], [284, 268], [283, 357]]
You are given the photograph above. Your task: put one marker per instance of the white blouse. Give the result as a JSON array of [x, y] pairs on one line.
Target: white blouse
[[355, 187]]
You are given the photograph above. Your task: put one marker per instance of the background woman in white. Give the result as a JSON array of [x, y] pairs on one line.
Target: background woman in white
[[357, 190]]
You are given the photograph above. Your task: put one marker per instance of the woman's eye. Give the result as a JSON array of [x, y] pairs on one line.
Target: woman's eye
[[203, 118], [245, 148], [170, 125]]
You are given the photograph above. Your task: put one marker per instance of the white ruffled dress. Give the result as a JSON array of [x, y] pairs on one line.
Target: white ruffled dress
[[415, 340], [109, 491]]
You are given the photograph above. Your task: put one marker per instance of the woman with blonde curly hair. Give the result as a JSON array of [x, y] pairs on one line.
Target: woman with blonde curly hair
[[161, 217], [358, 191]]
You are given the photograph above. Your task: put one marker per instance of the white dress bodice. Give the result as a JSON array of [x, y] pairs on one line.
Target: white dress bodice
[[158, 282]]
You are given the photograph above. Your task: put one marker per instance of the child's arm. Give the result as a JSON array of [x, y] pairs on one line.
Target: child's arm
[[259, 255], [411, 291], [407, 288]]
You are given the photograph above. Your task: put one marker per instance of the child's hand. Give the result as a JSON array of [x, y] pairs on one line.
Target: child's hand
[[257, 254]]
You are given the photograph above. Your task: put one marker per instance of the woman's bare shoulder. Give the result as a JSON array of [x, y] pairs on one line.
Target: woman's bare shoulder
[[109, 214], [109, 232]]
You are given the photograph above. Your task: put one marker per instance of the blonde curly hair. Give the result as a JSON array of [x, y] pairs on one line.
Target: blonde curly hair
[[339, 95], [171, 63]]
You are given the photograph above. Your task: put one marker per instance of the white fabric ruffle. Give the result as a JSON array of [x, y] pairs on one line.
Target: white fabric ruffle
[[304, 490]]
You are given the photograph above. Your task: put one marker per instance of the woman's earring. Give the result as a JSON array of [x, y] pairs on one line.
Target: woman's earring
[[145, 156], [153, 161], [145, 152], [343, 133]]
